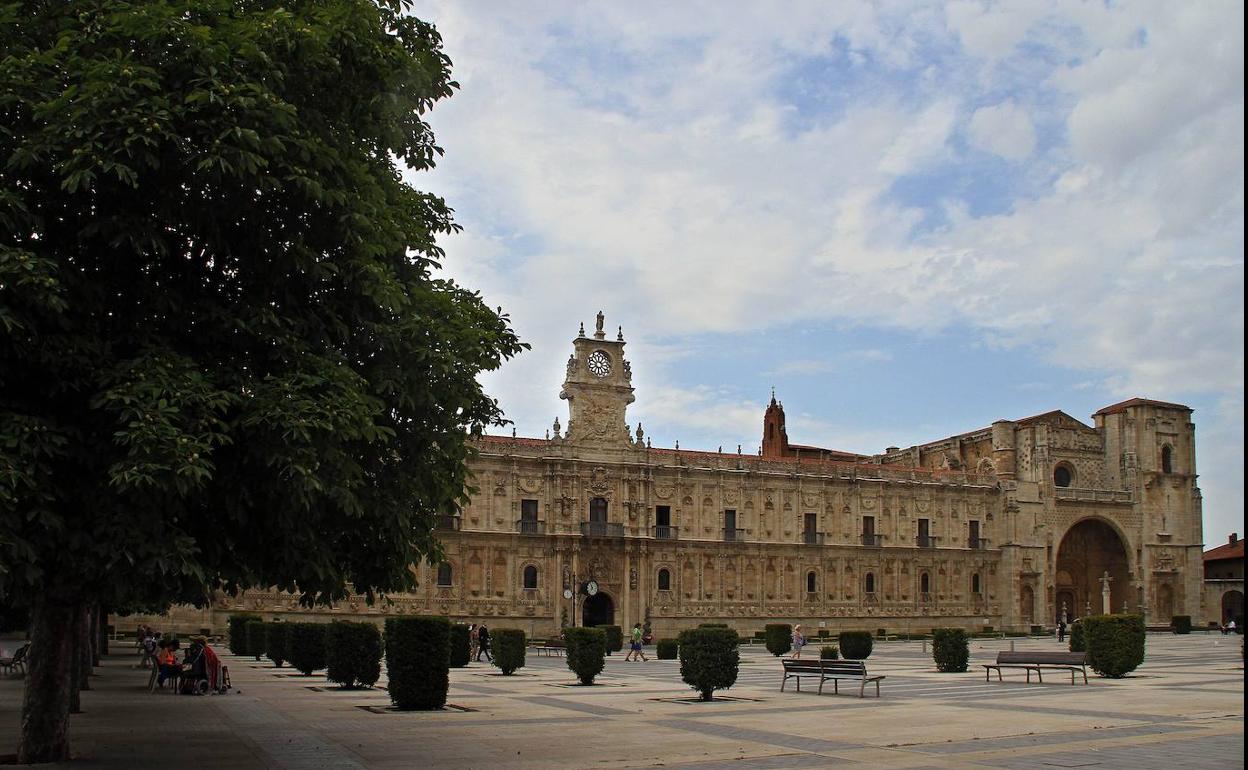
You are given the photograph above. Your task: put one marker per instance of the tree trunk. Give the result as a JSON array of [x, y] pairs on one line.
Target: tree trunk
[[84, 647], [94, 635], [45, 705], [75, 659], [103, 629]]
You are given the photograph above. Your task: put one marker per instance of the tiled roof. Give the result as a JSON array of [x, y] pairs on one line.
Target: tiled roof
[[1226, 551], [1122, 406]]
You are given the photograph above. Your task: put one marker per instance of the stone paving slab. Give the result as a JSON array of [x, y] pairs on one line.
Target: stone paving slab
[[1186, 710]]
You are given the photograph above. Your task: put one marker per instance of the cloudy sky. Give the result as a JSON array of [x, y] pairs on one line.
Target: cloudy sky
[[911, 219]]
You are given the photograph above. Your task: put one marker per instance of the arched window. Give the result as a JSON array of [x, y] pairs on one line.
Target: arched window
[[870, 583], [810, 582], [1167, 460], [1063, 476], [925, 583], [444, 575], [530, 576], [665, 580], [975, 587]]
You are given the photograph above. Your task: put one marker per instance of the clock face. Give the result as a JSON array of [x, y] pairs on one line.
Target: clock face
[[591, 588], [567, 593], [599, 363]]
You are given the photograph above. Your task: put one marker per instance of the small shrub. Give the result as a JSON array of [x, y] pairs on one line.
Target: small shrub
[[709, 659], [823, 633], [950, 649], [275, 644], [779, 638], [586, 650], [1077, 642], [418, 651], [508, 649], [1115, 644], [614, 638], [461, 645], [855, 645], [353, 653], [255, 637], [238, 631], [305, 646], [1181, 624], [666, 649], [829, 652]]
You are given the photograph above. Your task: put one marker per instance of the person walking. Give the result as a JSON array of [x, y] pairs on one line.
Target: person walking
[[799, 641], [474, 649], [634, 648], [483, 642], [1061, 630]]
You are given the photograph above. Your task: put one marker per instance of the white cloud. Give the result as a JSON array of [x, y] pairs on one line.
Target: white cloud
[[656, 164], [1004, 129]]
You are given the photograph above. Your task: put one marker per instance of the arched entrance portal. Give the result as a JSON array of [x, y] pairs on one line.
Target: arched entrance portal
[[599, 611], [1089, 550], [1233, 607]]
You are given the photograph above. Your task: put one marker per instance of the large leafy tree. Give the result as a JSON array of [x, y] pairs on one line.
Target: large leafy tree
[[226, 358]]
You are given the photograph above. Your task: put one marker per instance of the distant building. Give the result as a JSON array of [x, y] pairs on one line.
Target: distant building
[[1223, 597], [1010, 526]]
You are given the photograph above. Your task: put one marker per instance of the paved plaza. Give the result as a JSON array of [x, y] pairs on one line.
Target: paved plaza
[[1183, 708]]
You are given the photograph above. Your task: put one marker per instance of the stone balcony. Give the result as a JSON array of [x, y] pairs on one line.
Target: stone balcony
[[1086, 495]]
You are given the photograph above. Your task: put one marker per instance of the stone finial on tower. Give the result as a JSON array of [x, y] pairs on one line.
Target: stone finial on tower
[[598, 332], [619, 337], [581, 333]]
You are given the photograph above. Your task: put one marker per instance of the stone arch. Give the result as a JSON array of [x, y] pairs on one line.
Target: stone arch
[[599, 610], [1089, 548], [1165, 603], [1233, 607], [1027, 604]]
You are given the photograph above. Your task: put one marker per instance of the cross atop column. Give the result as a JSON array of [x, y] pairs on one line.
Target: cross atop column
[[1105, 579]]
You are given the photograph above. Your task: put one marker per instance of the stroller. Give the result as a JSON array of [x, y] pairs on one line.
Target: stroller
[[202, 671]]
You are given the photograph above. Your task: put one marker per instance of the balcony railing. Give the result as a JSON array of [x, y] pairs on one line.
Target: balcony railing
[[926, 541], [666, 532], [447, 522], [977, 543], [1093, 495], [812, 538], [872, 539], [601, 529], [734, 535], [530, 527]]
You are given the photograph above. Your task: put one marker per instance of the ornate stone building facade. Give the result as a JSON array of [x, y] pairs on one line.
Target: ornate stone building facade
[[1008, 526]]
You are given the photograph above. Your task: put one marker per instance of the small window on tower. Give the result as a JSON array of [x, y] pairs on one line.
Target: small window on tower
[[1062, 476], [1167, 460]]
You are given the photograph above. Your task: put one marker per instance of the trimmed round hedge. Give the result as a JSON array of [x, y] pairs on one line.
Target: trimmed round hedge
[[353, 653], [275, 635], [418, 661], [709, 659], [305, 646], [951, 649], [779, 638], [508, 649], [586, 648], [1181, 624], [255, 637], [855, 645], [614, 638], [238, 631], [461, 645], [666, 649], [1115, 644], [829, 652]]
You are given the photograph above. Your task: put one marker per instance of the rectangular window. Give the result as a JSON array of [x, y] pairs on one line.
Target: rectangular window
[[810, 523], [925, 534], [730, 525], [663, 515], [528, 510], [974, 533]]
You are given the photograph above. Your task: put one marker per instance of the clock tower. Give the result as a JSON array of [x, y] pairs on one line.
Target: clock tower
[[598, 388]]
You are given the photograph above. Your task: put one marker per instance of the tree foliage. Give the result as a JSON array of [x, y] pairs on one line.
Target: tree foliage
[[586, 651], [709, 659], [951, 649], [353, 653], [226, 358], [779, 638], [418, 661]]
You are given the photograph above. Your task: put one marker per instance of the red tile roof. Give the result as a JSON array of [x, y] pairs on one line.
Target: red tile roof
[[1123, 406], [1226, 551]]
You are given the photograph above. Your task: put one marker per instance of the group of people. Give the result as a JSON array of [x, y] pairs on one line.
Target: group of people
[[479, 642], [197, 673]]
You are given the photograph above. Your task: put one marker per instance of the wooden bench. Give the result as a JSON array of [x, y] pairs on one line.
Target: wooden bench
[[551, 647], [1074, 662], [834, 670]]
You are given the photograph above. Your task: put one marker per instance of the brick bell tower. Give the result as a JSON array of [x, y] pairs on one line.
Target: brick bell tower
[[775, 437], [598, 388]]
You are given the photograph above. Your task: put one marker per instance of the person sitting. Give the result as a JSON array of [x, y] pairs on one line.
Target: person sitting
[[167, 661]]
